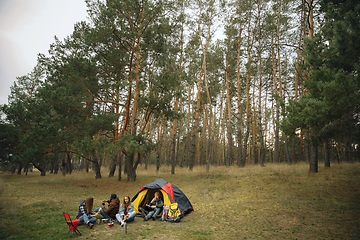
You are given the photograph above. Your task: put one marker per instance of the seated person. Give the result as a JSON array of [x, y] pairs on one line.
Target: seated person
[[84, 213], [111, 210], [153, 208], [127, 213]]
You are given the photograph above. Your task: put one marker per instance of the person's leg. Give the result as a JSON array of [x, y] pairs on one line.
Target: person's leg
[[95, 211], [105, 215], [150, 214], [131, 216], [157, 212], [93, 220], [141, 210], [84, 219], [118, 217]]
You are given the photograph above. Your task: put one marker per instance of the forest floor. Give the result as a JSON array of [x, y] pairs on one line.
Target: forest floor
[[278, 201]]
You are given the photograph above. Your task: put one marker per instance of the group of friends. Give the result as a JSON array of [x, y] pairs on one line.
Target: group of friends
[[122, 213]]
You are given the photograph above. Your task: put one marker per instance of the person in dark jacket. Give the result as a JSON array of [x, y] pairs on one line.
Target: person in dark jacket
[[111, 210], [155, 207], [84, 213]]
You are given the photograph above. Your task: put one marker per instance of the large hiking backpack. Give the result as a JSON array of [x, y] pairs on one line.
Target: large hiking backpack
[[171, 213]]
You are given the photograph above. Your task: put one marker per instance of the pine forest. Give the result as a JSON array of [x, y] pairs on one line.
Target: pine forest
[[185, 83]]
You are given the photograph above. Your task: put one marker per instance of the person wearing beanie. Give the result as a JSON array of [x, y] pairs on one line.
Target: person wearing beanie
[[154, 207], [111, 210]]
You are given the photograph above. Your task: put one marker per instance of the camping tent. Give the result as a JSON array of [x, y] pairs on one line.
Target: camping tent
[[170, 194]]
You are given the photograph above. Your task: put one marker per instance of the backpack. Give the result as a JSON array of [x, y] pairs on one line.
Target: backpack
[[171, 213]]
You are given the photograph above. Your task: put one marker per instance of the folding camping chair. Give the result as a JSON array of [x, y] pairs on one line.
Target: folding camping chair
[[72, 223]]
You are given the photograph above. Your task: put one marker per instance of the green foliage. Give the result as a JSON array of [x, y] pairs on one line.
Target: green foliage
[[72, 100], [333, 85], [9, 143]]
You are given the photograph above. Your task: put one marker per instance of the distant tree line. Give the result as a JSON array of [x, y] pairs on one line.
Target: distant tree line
[[190, 82]]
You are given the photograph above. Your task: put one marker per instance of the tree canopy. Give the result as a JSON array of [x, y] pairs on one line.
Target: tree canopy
[[154, 82]]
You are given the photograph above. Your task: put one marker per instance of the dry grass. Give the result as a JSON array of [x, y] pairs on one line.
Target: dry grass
[[274, 202]]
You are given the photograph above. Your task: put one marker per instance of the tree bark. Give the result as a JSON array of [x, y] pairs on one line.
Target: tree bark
[[113, 164], [228, 125], [254, 131], [120, 158], [63, 165], [326, 154], [277, 111], [248, 106], [314, 157], [287, 155], [131, 171], [68, 163], [202, 73], [239, 92], [96, 167], [293, 159], [19, 168], [262, 145], [159, 141]]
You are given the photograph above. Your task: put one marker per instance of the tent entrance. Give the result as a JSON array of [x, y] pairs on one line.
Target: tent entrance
[[146, 195]]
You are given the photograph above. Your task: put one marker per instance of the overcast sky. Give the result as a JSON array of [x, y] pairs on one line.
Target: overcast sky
[[27, 28]]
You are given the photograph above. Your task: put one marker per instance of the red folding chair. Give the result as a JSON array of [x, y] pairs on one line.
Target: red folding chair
[[72, 223]]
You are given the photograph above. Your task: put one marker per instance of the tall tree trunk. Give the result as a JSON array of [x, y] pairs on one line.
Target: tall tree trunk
[[254, 130], [302, 146], [307, 146], [96, 166], [19, 168], [68, 163], [131, 172], [314, 156], [326, 153], [56, 164], [203, 138], [221, 127], [239, 92], [202, 73], [158, 156], [280, 87], [120, 160], [113, 164], [248, 106], [297, 74], [293, 159], [314, 144], [277, 111], [192, 155], [188, 143], [210, 142], [210, 129], [262, 145], [266, 128], [173, 152], [160, 143], [175, 127], [42, 169], [287, 155], [228, 125]]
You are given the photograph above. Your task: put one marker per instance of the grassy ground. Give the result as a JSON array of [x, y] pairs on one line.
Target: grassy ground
[[272, 202]]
